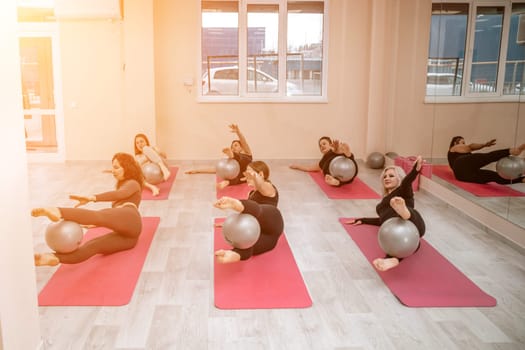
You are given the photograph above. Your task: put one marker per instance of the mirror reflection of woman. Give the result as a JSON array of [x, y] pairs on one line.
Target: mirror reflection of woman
[[123, 218], [467, 166], [329, 149]]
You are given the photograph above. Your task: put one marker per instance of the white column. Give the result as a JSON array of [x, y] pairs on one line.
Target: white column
[[19, 322]]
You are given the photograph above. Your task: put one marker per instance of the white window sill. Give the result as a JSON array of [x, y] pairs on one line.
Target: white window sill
[[474, 99], [237, 99]]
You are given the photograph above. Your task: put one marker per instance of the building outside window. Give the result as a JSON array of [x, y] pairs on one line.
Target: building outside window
[[476, 50], [270, 50]]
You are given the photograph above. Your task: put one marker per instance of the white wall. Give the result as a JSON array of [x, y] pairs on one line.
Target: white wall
[[18, 303], [377, 54], [108, 82]]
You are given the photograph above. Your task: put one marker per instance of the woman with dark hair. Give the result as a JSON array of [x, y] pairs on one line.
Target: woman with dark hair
[[123, 218], [258, 176], [330, 150], [467, 166], [238, 150], [270, 222], [145, 153], [398, 201]]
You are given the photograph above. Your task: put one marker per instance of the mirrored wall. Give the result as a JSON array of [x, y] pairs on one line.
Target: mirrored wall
[[475, 81]]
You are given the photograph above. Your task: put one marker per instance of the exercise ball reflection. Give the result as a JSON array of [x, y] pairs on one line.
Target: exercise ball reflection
[[64, 236], [241, 230], [152, 173], [375, 160], [510, 167], [398, 237], [392, 155], [228, 168], [342, 168]]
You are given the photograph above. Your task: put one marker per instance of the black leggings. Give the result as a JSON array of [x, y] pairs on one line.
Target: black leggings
[[417, 220], [467, 168], [271, 223], [124, 221]]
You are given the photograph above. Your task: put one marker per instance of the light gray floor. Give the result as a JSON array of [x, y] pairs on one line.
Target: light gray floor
[[172, 307]]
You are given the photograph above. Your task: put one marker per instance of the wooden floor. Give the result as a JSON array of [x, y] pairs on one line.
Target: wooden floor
[[172, 307]]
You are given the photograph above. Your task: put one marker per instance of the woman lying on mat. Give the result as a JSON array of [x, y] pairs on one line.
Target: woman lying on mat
[[271, 227], [123, 218], [467, 165], [257, 176], [144, 153], [398, 201], [330, 149], [238, 150]]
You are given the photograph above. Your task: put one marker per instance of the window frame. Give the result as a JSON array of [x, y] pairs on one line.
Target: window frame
[[244, 95], [477, 97]]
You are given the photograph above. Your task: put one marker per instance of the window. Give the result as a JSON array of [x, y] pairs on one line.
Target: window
[[475, 49], [262, 49]]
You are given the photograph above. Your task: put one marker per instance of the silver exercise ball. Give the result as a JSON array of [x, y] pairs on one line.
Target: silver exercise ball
[[241, 230], [398, 237], [64, 236], [510, 167], [152, 173], [342, 168], [375, 160], [228, 168]]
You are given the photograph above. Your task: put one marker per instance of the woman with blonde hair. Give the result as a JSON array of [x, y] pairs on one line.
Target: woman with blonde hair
[[398, 201]]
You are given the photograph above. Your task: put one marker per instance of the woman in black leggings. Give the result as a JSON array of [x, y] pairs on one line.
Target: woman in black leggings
[[330, 150], [270, 220], [123, 218], [467, 165], [398, 201]]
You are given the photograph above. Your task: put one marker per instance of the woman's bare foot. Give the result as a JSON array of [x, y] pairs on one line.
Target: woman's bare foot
[[399, 206], [223, 184], [46, 259], [516, 151], [155, 190], [385, 264], [52, 213], [165, 171], [345, 149], [330, 180], [227, 256]]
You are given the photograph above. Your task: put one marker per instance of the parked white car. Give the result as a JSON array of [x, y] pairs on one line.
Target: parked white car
[[448, 84], [443, 84], [225, 81]]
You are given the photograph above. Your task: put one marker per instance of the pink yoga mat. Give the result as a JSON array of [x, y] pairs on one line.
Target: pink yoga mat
[[239, 191], [102, 280], [267, 281], [491, 189], [357, 189], [164, 187], [425, 279]]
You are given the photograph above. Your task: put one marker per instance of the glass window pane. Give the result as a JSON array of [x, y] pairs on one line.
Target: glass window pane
[[263, 43], [446, 53], [37, 73], [305, 48], [514, 68], [487, 43], [220, 47]]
